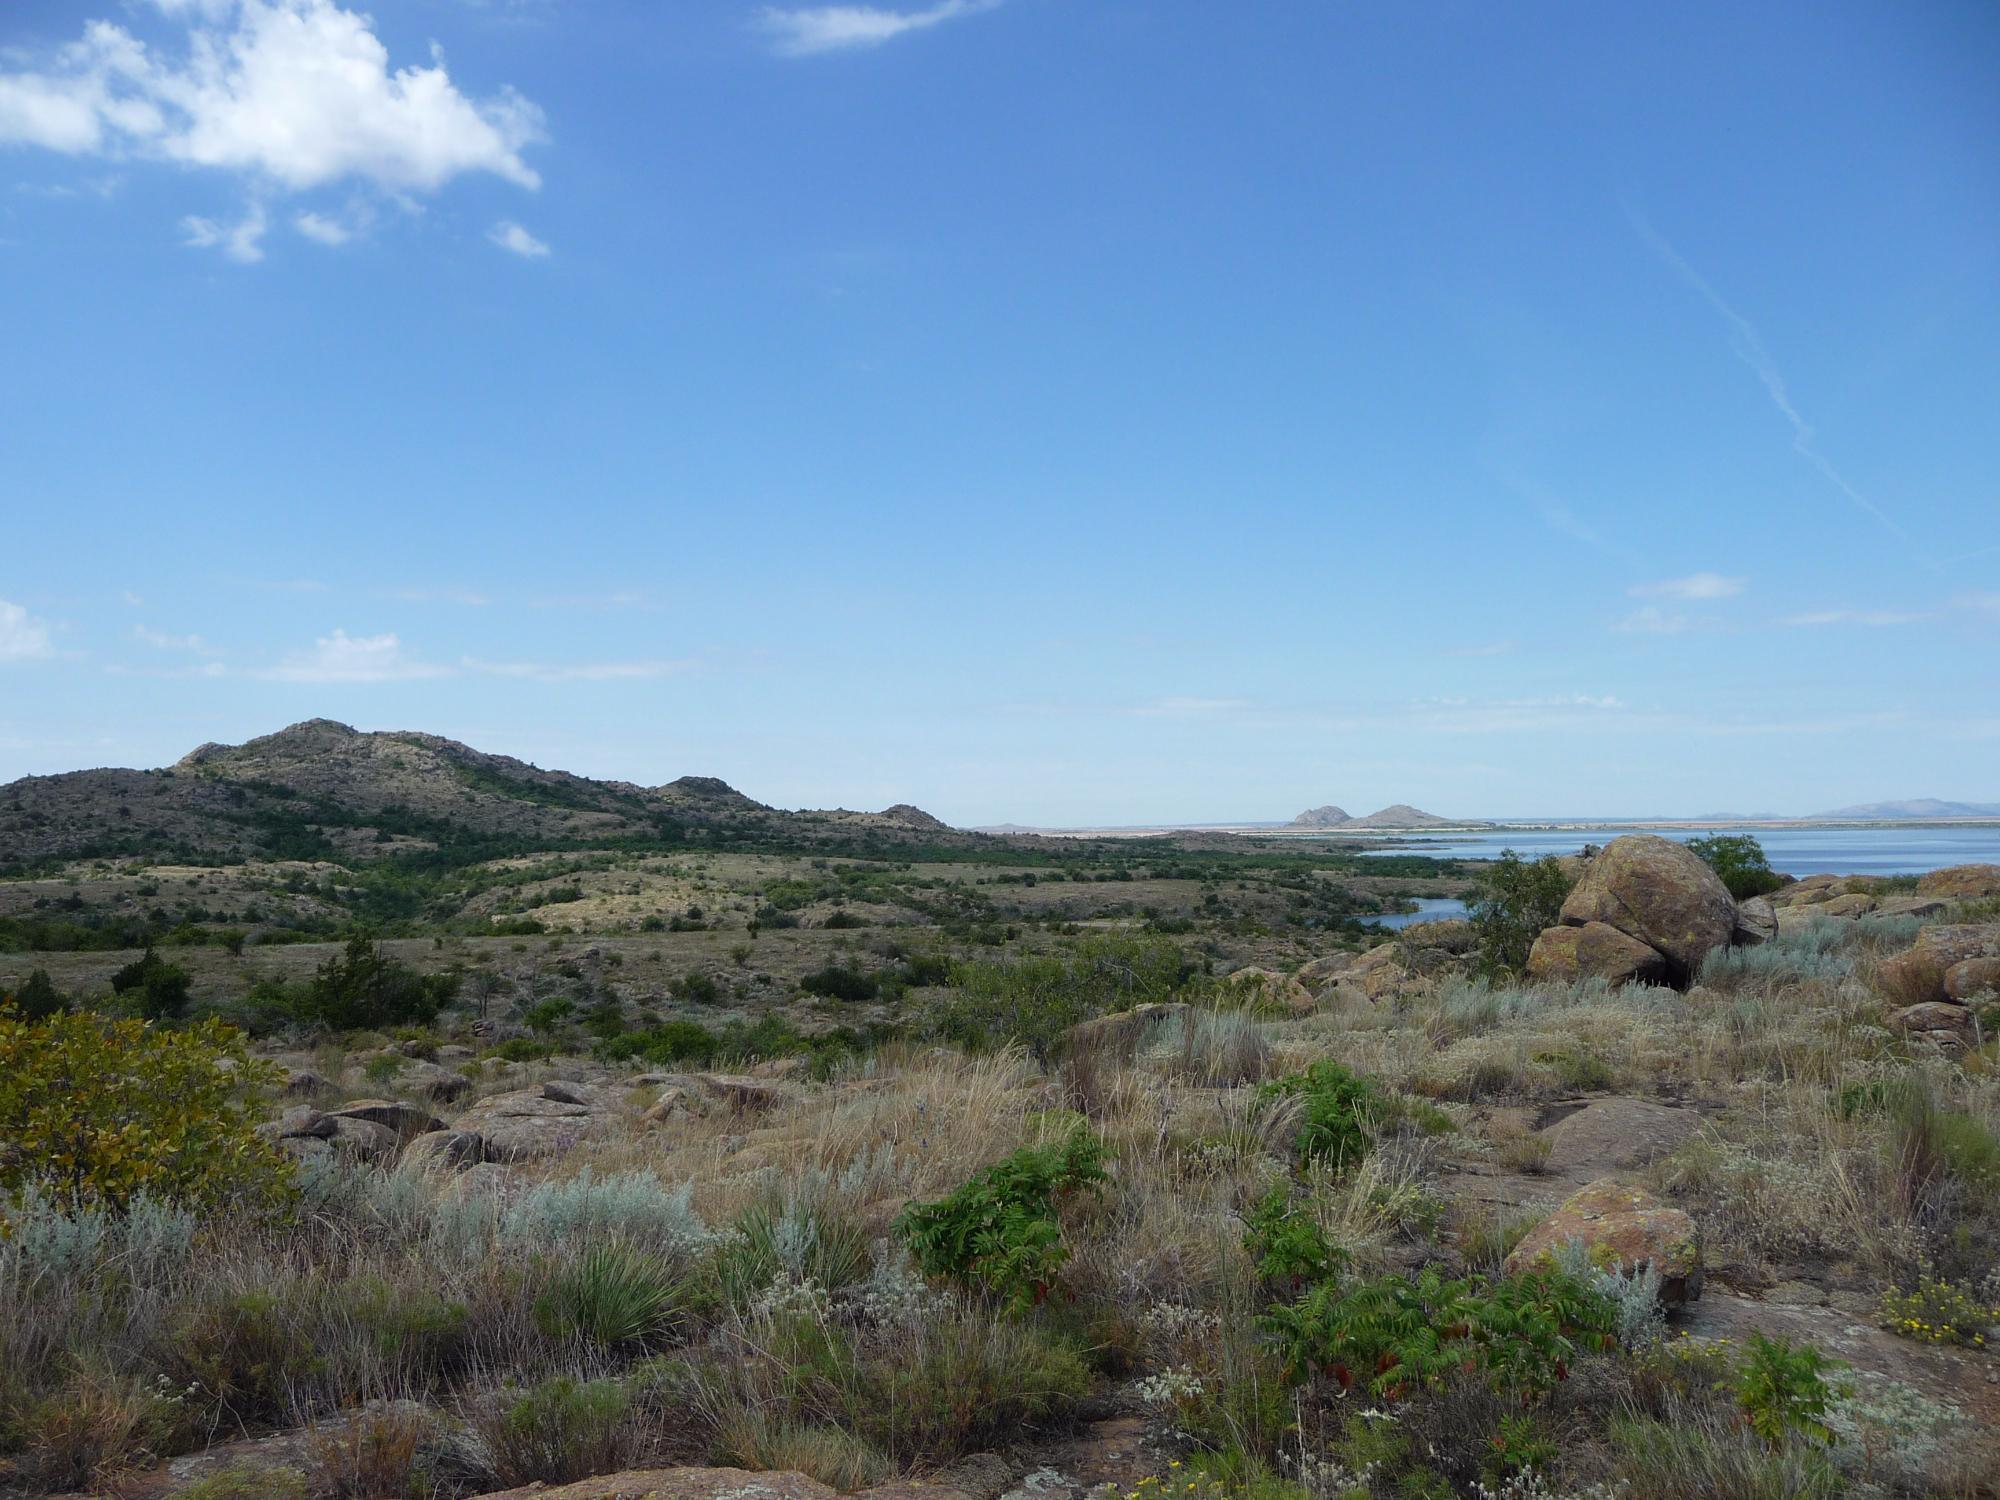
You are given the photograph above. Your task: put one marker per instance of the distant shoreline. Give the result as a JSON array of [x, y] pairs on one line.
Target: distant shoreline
[[1491, 826]]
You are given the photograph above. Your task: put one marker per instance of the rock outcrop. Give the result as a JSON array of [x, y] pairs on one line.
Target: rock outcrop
[[543, 1121], [1619, 1226], [1657, 891], [1962, 882], [1916, 976]]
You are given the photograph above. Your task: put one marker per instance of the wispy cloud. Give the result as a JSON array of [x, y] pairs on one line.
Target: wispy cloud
[[1695, 586], [242, 242], [1869, 617], [160, 640], [22, 636], [1748, 346], [471, 598], [1179, 707], [322, 230], [515, 240], [1486, 649], [807, 30], [341, 657], [609, 671], [1652, 620]]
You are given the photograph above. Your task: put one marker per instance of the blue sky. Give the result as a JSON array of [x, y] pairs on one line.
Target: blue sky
[[1046, 410]]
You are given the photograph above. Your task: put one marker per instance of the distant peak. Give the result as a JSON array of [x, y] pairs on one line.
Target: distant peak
[[1328, 816], [702, 786], [912, 817]]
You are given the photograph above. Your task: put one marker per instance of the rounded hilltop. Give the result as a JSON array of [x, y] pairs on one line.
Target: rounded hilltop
[[1400, 815]]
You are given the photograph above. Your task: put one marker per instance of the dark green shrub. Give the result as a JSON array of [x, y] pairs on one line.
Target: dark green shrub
[[1514, 901], [1291, 1250], [838, 982], [363, 989], [38, 998], [1739, 860], [999, 1231], [560, 1431], [154, 988], [1783, 1389]]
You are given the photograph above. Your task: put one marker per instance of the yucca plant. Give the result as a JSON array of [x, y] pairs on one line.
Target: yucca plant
[[614, 1297]]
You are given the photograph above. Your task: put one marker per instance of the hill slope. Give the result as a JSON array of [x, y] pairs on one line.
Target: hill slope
[[321, 789], [1919, 807]]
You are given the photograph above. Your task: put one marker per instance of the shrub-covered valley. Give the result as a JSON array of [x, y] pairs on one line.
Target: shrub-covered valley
[[381, 1118]]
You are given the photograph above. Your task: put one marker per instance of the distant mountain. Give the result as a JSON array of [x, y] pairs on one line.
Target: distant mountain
[[1402, 815], [1919, 807], [322, 790], [1321, 817]]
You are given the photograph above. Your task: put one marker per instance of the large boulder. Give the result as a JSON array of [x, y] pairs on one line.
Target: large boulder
[[364, 1140], [1655, 890], [544, 1121], [441, 1151], [1596, 950], [1962, 882], [406, 1120], [1756, 922], [1939, 1021], [1971, 977], [1619, 1226]]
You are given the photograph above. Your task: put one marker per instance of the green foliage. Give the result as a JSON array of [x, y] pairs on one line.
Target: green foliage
[[1393, 1335], [614, 1297], [560, 1431], [1514, 901], [96, 1110], [1340, 1113], [999, 1231], [1035, 998], [38, 997], [154, 988], [840, 982], [1936, 1311], [363, 989], [1288, 1245], [1739, 860], [1783, 1389]]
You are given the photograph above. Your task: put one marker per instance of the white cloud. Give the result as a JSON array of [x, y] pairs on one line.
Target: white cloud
[[341, 657], [1694, 586], [22, 636], [837, 28], [159, 640], [322, 230], [289, 94], [1652, 620], [1874, 617], [513, 238], [242, 241]]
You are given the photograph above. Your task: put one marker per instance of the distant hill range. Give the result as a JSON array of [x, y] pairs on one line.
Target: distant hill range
[[1402, 815], [321, 790], [1916, 808]]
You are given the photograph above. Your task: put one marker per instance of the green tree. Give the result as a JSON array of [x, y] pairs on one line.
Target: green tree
[[363, 989], [39, 998], [1034, 999], [157, 989], [1516, 899], [1739, 860]]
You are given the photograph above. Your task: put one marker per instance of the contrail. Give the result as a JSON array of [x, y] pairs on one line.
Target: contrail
[[1749, 347]]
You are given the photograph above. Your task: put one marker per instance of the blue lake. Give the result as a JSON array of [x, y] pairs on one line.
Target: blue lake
[[1429, 909], [1792, 851]]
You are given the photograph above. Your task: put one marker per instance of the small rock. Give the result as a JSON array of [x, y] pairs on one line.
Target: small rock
[[407, 1121], [1756, 922], [304, 1120], [1622, 1226], [1972, 976], [1940, 1021], [442, 1151]]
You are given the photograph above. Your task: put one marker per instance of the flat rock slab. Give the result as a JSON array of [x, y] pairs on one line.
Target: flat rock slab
[[1618, 1135], [1965, 1378]]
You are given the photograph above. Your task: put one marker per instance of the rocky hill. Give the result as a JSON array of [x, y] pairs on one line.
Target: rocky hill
[[1402, 815], [324, 790], [1328, 816]]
